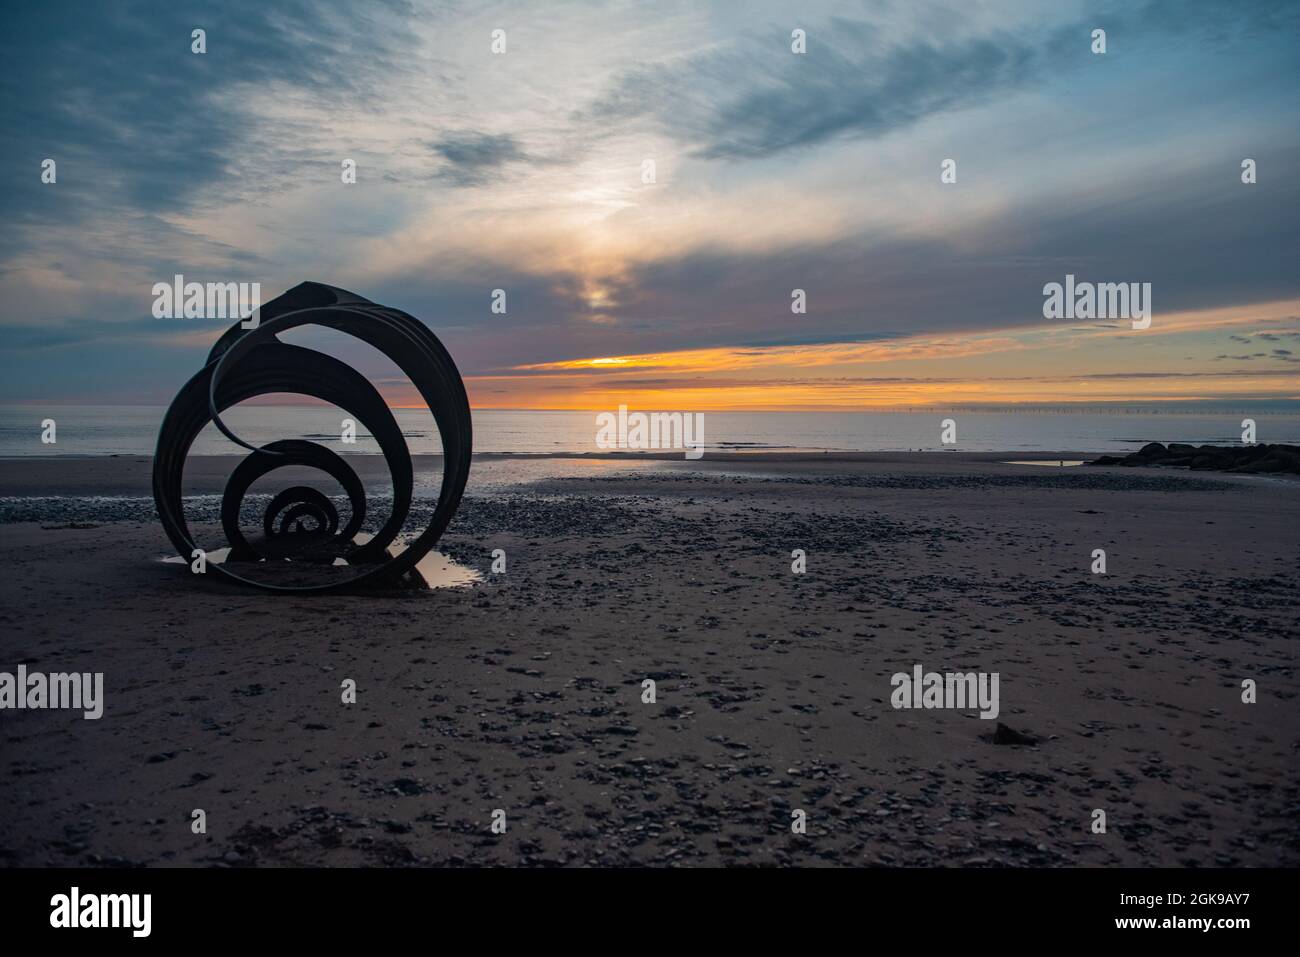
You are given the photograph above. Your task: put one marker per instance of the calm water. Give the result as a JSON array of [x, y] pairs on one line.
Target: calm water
[[107, 430]]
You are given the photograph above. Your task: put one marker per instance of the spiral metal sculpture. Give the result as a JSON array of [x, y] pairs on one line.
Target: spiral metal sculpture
[[300, 524]]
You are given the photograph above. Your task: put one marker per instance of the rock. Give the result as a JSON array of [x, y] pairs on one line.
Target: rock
[[1278, 458], [1006, 735], [409, 787]]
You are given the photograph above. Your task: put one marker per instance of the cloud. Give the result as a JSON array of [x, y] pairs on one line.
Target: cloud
[[1279, 354], [752, 101], [137, 122], [752, 98], [473, 157], [109, 335]]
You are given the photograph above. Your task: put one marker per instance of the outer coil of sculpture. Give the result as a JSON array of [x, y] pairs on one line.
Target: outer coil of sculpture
[[301, 525]]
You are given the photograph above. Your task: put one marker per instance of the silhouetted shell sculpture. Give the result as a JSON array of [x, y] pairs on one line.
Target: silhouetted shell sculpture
[[301, 525]]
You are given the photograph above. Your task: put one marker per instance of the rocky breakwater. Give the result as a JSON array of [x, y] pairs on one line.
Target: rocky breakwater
[[1232, 458]]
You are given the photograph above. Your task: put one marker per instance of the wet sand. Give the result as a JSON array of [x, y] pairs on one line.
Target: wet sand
[[524, 692]]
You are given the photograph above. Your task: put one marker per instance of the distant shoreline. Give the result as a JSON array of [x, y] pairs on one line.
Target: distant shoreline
[[132, 475], [751, 455]]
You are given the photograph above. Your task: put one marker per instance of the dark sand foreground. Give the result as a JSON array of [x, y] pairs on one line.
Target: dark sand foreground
[[524, 692]]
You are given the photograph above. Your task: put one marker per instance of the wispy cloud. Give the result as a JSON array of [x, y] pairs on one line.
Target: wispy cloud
[[472, 158]]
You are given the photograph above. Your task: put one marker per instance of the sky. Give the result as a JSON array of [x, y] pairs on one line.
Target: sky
[[774, 171]]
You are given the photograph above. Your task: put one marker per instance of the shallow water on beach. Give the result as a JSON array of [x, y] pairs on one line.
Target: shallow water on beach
[[437, 569], [1054, 463]]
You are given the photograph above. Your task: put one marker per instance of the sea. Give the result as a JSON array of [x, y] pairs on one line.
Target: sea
[[133, 430]]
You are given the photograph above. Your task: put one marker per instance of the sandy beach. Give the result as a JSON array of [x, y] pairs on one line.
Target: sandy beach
[[524, 692]]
